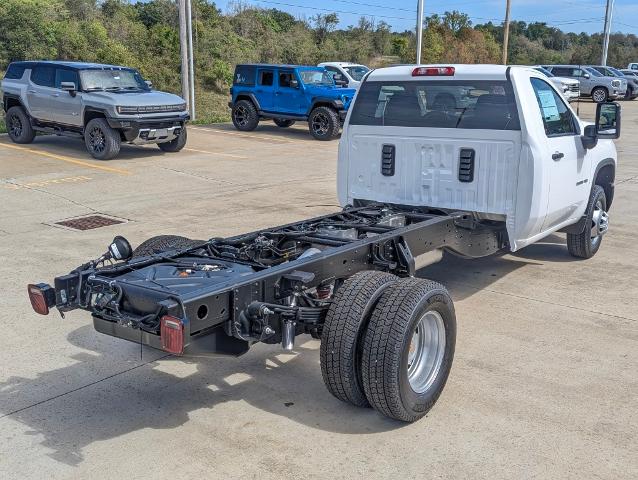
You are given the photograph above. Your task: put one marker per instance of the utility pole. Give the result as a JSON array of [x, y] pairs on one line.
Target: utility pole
[[191, 54], [608, 14], [419, 30], [506, 32], [183, 48]]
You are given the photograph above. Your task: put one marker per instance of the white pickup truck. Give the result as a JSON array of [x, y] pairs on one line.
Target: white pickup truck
[[511, 152], [470, 159]]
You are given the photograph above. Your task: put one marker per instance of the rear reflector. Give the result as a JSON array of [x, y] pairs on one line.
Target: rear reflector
[[42, 296], [172, 334], [433, 72]]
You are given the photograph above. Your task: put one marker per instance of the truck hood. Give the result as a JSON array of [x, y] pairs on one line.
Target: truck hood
[[330, 92], [136, 99], [567, 80]]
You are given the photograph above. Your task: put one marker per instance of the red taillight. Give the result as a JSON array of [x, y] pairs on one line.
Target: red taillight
[[41, 296], [433, 72], [172, 334]]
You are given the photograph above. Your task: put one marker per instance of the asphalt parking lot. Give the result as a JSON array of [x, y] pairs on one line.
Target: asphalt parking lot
[[544, 383]]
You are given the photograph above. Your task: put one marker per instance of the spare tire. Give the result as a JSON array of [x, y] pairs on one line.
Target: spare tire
[[163, 243]]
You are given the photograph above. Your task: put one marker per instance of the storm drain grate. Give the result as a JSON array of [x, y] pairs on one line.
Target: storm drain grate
[[89, 222]]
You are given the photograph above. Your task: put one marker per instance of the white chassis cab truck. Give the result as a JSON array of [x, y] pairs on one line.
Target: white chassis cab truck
[[511, 151], [469, 159]]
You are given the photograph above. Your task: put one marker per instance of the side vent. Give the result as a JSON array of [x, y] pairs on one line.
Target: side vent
[[466, 165], [387, 160]]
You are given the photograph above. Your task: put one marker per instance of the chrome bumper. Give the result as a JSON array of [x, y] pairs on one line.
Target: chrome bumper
[[156, 135]]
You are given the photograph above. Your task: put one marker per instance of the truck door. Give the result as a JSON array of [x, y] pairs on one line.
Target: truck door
[[68, 107], [40, 92], [265, 89], [289, 96], [563, 155]]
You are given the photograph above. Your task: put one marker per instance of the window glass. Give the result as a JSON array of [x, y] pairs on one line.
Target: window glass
[[65, 75], [43, 76], [285, 79], [15, 71], [557, 118], [266, 78], [244, 75], [438, 104], [357, 71], [317, 77], [112, 80], [564, 72]]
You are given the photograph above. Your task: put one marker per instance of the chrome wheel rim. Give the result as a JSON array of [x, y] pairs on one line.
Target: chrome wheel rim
[[426, 350], [320, 124], [241, 116], [599, 96], [15, 126], [97, 141], [599, 223]]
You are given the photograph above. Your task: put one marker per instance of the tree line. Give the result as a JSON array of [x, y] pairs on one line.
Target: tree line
[[145, 35]]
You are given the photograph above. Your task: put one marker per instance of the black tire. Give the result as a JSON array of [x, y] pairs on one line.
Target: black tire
[[599, 94], [19, 126], [340, 352], [101, 140], [629, 94], [176, 144], [163, 243], [283, 123], [388, 342], [245, 117], [587, 243], [324, 123]]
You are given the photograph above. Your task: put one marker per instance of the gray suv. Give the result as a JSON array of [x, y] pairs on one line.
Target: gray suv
[[103, 104], [592, 83]]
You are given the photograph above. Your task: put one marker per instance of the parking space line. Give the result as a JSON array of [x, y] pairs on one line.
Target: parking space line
[[66, 159], [259, 137], [215, 153]]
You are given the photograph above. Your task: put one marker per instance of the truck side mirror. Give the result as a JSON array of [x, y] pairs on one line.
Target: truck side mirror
[[148, 83], [590, 137], [339, 80], [294, 83], [608, 120], [587, 76], [69, 87]]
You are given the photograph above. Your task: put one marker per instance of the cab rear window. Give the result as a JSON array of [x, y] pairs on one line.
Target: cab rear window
[[437, 104], [244, 75]]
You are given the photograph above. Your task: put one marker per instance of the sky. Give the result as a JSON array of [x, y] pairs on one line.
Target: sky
[[568, 15]]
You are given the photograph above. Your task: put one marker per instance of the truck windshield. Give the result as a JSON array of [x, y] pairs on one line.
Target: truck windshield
[[356, 71], [618, 73], [593, 72], [544, 71], [468, 104], [316, 77], [112, 80]]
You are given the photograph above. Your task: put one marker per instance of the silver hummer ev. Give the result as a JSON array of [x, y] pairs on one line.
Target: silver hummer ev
[[104, 104]]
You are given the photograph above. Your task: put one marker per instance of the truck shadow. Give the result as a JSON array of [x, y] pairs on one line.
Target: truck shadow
[[298, 132], [163, 394], [76, 148]]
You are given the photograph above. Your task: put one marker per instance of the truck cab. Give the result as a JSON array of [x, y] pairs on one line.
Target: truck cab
[[511, 150]]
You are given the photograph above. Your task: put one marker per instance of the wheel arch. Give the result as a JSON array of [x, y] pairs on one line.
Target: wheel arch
[[248, 96], [325, 102], [604, 176], [91, 113], [10, 100]]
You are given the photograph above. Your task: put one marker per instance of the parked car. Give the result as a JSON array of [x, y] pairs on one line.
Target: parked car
[[632, 82], [514, 167], [632, 66], [592, 83], [286, 94], [570, 87], [350, 74], [105, 105]]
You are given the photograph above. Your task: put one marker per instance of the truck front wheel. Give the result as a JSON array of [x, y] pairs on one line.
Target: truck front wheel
[[587, 243], [245, 117], [101, 140], [408, 349], [324, 123], [176, 144], [341, 340], [19, 126], [599, 94]]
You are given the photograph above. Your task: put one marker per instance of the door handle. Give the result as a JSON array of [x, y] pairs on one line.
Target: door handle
[[32, 91], [557, 156]]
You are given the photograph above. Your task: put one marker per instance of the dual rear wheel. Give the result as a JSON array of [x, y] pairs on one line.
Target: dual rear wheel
[[389, 343]]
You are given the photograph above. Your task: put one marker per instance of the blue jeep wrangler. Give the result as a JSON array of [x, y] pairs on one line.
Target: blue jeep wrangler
[[287, 93]]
